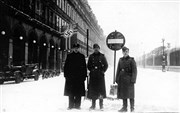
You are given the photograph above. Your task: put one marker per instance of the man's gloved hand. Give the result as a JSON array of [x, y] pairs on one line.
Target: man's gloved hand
[[132, 81]]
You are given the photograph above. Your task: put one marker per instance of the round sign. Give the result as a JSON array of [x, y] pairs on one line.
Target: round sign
[[115, 41], [68, 33]]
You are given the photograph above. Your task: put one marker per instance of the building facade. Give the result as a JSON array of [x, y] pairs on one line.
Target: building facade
[[32, 31]]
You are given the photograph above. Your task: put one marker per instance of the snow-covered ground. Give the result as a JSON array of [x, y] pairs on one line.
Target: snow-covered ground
[[156, 91]]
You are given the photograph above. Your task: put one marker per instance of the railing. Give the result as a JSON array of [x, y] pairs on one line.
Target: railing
[[168, 68]]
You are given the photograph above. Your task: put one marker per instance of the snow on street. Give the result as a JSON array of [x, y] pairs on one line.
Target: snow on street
[[155, 91]]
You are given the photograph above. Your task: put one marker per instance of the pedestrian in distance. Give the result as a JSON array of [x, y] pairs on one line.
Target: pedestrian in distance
[[126, 78], [97, 65], [75, 73]]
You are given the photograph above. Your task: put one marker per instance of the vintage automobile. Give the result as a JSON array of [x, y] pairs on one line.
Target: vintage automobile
[[30, 71], [19, 73], [50, 73], [11, 73]]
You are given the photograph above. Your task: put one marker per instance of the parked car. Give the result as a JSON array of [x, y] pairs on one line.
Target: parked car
[[11, 73], [19, 73], [30, 71]]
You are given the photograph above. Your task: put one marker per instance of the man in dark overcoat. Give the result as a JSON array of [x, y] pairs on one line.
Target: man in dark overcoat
[[97, 65], [126, 78], [75, 73]]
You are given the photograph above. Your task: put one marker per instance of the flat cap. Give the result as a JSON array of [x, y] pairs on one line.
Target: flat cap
[[125, 48], [96, 46]]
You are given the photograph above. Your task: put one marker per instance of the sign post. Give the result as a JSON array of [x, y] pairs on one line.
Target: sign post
[[115, 41], [114, 77]]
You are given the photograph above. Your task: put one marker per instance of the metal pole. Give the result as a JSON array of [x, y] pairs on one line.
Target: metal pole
[[87, 53], [163, 57], [114, 66], [87, 49], [163, 46], [114, 61]]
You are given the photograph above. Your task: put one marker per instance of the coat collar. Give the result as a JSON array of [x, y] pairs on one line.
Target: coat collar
[[126, 57], [96, 54]]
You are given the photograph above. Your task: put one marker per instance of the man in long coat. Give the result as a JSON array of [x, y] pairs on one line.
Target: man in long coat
[[97, 66], [126, 78], [75, 73]]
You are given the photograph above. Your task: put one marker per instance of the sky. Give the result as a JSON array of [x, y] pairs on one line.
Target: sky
[[144, 23]]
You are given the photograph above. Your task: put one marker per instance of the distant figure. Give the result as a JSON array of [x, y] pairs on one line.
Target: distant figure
[[126, 78], [75, 73], [97, 66]]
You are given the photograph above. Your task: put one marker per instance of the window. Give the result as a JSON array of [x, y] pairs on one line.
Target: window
[[60, 24], [71, 13], [60, 2], [68, 9], [38, 7], [57, 2], [57, 22], [62, 5], [65, 6]]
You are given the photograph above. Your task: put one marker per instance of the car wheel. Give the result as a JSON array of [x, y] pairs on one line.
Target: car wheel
[[36, 77], [18, 78], [22, 79], [1, 81]]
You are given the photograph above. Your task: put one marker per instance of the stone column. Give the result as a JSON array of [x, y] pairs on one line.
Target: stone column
[[55, 58], [10, 60], [168, 59], [26, 53], [47, 58]]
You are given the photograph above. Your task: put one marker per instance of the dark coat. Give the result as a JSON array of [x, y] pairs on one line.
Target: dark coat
[[75, 72], [97, 65], [126, 77]]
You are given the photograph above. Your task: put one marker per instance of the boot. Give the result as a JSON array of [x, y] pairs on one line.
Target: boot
[[78, 102], [124, 108], [71, 102], [101, 103], [93, 104], [132, 105]]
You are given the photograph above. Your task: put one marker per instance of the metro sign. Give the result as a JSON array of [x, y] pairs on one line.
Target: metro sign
[[115, 41]]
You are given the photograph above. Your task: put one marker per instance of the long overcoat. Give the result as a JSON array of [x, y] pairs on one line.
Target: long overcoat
[[126, 77], [97, 65], [75, 73]]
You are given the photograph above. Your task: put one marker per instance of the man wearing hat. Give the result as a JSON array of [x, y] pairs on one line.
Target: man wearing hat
[[126, 78], [97, 65], [75, 72]]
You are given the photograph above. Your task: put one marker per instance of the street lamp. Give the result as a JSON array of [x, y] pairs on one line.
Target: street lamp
[[163, 57], [21, 38], [44, 44], [168, 56], [3, 32]]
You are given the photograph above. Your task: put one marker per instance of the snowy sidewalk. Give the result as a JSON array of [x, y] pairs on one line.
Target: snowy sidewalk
[[155, 92]]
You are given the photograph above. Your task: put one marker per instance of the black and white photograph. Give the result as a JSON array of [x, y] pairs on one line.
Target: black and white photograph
[[89, 56]]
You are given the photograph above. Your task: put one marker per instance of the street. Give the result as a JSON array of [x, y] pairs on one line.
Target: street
[[155, 91]]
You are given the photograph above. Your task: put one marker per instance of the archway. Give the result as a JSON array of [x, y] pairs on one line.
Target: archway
[[43, 52], [58, 66], [4, 42], [19, 39], [32, 47], [51, 55]]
